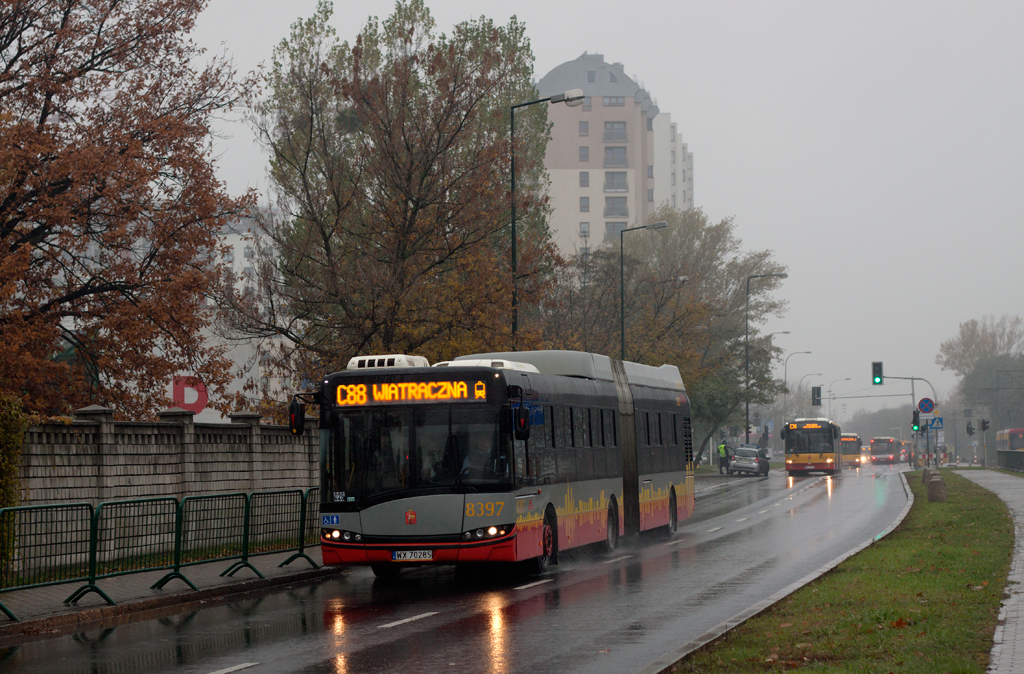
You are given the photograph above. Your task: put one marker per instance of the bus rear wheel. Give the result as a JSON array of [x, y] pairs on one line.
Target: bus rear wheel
[[612, 535], [673, 514]]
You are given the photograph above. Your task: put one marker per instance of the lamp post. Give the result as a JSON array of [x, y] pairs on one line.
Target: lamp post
[[746, 349], [785, 379], [785, 367], [622, 278], [572, 98], [831, 395]]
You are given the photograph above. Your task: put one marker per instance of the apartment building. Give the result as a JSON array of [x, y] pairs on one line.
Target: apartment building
[[613, 160]]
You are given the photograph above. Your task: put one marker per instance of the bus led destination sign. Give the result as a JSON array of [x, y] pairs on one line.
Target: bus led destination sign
[[411, 391]]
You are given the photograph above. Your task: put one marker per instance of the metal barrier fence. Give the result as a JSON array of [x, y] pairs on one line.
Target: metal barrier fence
[[1010, 459], [78, 542]]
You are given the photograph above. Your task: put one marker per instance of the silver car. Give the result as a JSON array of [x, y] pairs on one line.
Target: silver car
[[751, 460]]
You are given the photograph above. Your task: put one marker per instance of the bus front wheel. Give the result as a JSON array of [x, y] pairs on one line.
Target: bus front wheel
[[548, 543], [386, 571]]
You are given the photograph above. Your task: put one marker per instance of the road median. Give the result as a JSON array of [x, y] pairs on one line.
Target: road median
[[926, 598]]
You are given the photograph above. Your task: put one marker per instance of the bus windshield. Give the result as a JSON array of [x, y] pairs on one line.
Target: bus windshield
[[850, 446], [808, 440], [883, 446], [1016, 440], [370, 453]]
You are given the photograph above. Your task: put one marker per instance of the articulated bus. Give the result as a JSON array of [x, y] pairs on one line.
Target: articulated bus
[[849, 446], [812, 444], [498, 457], [885, 450], [1010, 439]]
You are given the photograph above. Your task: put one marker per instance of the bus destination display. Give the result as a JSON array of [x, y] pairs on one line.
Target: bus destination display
[[349, 395]]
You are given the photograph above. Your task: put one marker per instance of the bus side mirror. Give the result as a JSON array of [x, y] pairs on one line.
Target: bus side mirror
[[521, 422], [782, 434], [296, 417], [835, 432]]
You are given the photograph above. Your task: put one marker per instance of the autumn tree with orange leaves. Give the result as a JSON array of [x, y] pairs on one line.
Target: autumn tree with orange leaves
[[389, 164], [108, 203]]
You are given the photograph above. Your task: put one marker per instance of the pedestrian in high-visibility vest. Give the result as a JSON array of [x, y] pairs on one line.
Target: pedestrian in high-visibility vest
[[722, 459]]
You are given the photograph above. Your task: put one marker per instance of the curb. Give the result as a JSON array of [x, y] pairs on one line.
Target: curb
[[672, 658], [134, 611]]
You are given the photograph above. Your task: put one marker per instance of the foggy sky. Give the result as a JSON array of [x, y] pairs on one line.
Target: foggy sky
[[875, 147]]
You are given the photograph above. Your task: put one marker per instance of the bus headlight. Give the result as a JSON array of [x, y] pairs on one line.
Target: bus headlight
[[492, 531]]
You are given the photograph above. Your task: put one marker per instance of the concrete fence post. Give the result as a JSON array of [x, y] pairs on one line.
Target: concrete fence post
[[252, 420], [186, 449], [103, 417]]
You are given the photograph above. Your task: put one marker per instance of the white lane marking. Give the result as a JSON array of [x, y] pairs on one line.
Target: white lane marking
[[529, 585], [715, 529], [776, 505], [244, 665], [676, 542], [759, 512], [743, 519], [617, 559], [408, 620]]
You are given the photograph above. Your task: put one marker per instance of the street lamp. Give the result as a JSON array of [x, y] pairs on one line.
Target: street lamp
[[831, 395], [572, 98], [785, 367], [746, 349], [622, 278], [813, 374]]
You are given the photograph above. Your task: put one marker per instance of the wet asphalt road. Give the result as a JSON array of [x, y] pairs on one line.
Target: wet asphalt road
[[593, 613]]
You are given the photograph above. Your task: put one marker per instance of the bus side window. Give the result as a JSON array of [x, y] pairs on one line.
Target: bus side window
[[581, 442], [597, 451], [660, 464]]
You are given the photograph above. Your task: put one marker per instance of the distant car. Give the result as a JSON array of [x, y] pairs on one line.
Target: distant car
[[749, 459]]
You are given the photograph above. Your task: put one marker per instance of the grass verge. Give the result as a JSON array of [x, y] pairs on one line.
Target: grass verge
[[924, 599]]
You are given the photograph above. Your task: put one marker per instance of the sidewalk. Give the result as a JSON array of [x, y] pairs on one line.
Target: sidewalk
[[1007, 656], [42, 609]]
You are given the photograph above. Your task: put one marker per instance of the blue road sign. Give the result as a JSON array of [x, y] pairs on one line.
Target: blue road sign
[[936, 424], [926, 405]]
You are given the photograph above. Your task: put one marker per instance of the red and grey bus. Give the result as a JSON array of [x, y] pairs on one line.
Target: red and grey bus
[[885, 450], [497, 457]]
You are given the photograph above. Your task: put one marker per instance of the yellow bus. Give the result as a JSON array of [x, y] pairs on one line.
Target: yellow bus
[[849, 447], [812, 444], [1010, 439]]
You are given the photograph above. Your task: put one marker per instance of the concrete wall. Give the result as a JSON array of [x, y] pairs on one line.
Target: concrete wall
[[98, 459]]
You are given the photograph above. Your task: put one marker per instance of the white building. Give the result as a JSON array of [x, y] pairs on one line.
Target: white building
[[613, 160]]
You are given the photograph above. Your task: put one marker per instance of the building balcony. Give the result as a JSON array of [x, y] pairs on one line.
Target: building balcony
[[616, 212], [616, 137], [616, 187], [614, 162]]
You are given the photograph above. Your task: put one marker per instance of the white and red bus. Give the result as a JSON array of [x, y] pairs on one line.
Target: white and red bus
[[498, 457], [885, 450]]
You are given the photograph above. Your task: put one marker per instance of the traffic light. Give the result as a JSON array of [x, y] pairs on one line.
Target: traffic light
[[970, 428], [815, 396], [983, 425], [876, 373], [915, 425]]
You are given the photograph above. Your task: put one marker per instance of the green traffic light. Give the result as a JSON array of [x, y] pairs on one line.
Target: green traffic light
[[877, 380]]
